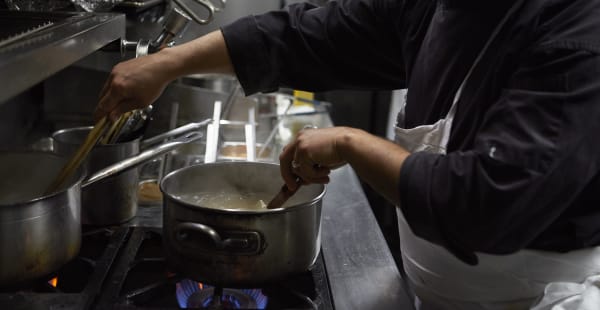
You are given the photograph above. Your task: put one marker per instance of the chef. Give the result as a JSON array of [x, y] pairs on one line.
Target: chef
[[495, 167]]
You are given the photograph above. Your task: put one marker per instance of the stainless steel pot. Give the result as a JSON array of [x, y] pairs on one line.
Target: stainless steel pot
[[37, 235], [41, 232], [239, 248], [114, 199], [194, 104]]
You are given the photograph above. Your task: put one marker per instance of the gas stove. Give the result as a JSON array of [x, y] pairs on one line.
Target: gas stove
[[124, 268]]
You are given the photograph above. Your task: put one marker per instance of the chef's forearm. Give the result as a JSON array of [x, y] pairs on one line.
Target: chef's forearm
[[376, 160], [207, 54]]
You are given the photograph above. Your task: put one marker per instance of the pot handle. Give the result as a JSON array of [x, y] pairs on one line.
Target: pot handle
[[174, 132], [131, 162], [242, 242], [210, 9]]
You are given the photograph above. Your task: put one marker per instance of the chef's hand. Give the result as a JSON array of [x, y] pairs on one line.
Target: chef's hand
[[311, 156], [138, 82], [132, 84]]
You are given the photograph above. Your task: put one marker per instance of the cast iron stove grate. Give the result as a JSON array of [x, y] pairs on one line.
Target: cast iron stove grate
[[124, 268], [77, 283], [143, 281]]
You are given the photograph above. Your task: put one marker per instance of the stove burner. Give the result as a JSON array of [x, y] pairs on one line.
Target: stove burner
[[191, 294], [124, 268]]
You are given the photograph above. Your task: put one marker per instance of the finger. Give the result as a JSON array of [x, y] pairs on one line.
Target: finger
[[105, 86], [321, 171], [310, 172], [104, 106], [285, 166], [102, 96], [122, 107], [323, 180]]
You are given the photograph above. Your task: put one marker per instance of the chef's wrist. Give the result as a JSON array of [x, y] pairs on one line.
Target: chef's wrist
[[171, 65], [207, 54], [347, 142]]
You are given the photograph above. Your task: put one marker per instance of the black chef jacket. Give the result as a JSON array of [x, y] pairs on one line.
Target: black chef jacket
[[523, 161]]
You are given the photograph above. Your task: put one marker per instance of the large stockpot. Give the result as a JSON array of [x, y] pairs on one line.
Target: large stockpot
[[41, 232], [239, 248]]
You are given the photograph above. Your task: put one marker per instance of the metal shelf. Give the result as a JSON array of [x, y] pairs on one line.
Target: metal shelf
[[34, 53]]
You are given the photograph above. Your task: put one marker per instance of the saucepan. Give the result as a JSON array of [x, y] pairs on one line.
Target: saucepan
[[41, 232], [217, 231], [114, 199]]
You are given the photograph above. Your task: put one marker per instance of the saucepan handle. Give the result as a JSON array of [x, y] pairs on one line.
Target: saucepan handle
[[236, 242], [142, 157], [174, 132]]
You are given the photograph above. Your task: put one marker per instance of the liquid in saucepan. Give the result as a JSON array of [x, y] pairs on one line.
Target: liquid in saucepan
[[227, 200]]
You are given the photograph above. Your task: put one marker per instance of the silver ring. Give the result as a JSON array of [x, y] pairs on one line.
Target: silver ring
[[295, 164], [309, 126]]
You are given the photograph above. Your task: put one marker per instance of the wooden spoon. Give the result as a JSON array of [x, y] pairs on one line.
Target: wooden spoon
[[283, 195]]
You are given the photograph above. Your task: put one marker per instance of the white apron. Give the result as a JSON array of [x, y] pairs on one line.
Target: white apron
[[515, 281]]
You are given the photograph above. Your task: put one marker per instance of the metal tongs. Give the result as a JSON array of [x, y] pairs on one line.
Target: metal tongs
[[128, 126], [80, 155]]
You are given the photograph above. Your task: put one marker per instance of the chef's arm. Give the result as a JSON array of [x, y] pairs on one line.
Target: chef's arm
[[349, 44], [352, 44], [534, 166], [377, 161], [207, 54], [136, 83], [314, 153]]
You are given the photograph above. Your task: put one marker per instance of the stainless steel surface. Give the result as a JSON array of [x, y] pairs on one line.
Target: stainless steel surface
[[221, 83], [34, 58], [113, 200], [142, 157], [235, 9], [135, 126], [41, 232], [28, 32], [195, 105], [139, 4], [174, 25], [96, 5], [239, 248], [38, 234], [38, 5], [207, 5], [175, 132], [361, 270]]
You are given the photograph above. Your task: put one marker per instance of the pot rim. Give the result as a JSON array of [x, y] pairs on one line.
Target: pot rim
[[76, 183], [57, 134], [291, 208]]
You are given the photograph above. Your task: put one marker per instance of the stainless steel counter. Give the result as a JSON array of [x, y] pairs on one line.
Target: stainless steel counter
[[360, 266], [362, 272], [33, 56]]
